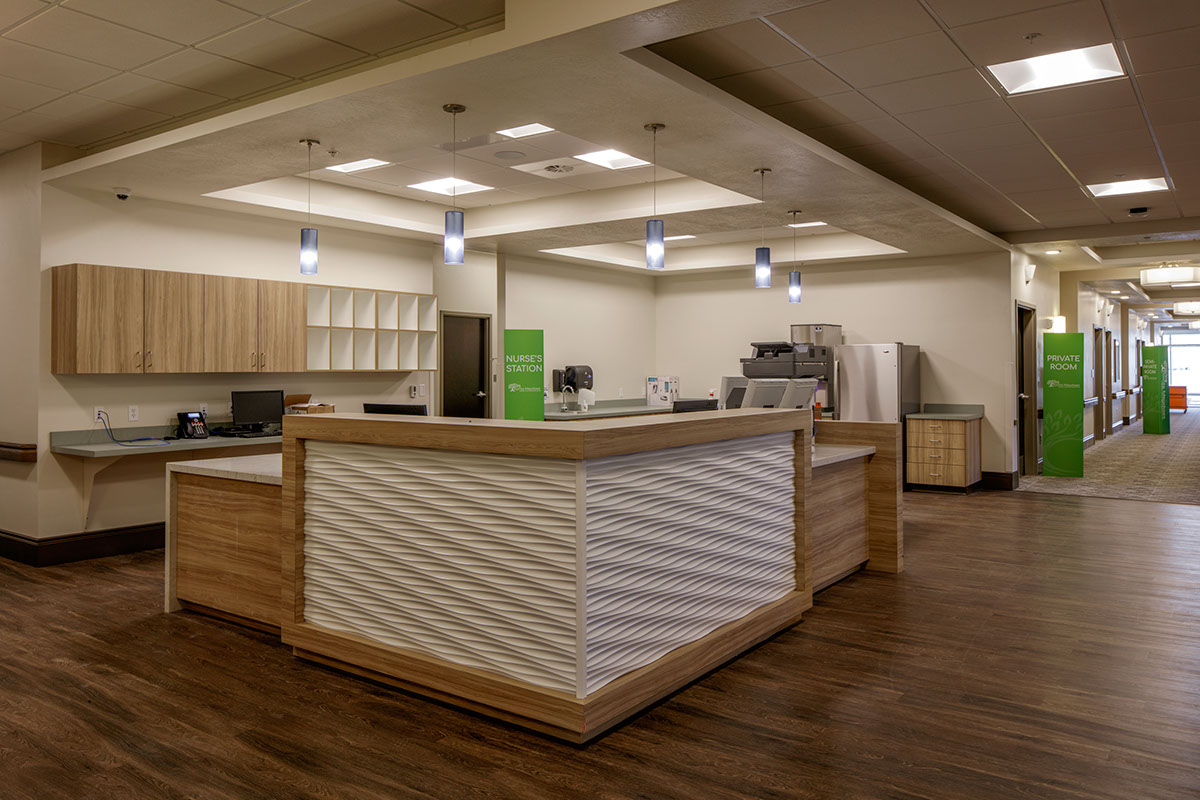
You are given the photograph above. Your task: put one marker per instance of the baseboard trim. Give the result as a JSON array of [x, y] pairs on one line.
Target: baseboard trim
[[81, 546], [1000, 481]]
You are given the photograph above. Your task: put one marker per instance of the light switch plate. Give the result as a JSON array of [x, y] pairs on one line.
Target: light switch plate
[[422, 389]]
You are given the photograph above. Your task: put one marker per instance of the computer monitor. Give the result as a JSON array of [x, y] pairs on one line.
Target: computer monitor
[[396, 408], [799, 393], [733, 388], [681, 406], [764, 392], [256, 409]]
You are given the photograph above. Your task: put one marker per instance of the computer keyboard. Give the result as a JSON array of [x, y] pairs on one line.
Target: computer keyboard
[[255, 434]]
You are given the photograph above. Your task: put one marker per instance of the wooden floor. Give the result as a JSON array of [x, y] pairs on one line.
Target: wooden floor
[[1038, 646]]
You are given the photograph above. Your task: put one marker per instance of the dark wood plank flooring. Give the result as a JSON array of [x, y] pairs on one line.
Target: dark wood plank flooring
[[1039, 646]]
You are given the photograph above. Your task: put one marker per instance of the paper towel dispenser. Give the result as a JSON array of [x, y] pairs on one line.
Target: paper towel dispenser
[[578, 377]]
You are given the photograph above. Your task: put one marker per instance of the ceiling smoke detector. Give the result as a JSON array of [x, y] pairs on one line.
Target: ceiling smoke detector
[[559, 169]]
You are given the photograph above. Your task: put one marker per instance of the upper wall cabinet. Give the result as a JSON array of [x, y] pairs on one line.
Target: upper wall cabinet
[[113, 320], [98, 319]]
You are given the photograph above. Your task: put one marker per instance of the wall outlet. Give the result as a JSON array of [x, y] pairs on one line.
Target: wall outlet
[[133, 414], [412, 391], [96, 412], [620, 391], [421, 389], [204, 410]]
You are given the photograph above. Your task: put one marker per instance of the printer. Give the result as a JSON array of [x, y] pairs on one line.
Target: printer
[[793, 360]]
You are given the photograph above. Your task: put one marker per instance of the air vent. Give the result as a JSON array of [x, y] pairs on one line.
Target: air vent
[[559, 169]]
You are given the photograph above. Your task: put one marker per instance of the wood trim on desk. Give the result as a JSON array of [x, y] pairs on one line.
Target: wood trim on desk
[[12, 451]]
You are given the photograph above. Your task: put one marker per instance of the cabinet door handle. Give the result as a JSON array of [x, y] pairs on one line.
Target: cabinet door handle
[[262, 360], [253, 360], [149, 359], [935, 427], [138, 356]]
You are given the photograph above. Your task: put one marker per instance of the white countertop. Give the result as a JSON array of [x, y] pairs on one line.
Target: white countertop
[[266, 468], [826, 454]]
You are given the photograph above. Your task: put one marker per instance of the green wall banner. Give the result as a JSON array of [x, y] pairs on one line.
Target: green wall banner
[[1156, 404], [1062, 410], [524, 376]]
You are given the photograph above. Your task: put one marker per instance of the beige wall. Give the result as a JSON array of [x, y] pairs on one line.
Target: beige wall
[[594, 316], [20, 219], [470, 288], [958, 309], [97, 228]]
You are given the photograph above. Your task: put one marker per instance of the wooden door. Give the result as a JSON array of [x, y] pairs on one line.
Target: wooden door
[[281, 327], [109, 319], [230, 324], [174, 322], [464, 374]]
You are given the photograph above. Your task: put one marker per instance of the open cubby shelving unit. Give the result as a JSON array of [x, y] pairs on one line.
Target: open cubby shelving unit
[[370, 330]]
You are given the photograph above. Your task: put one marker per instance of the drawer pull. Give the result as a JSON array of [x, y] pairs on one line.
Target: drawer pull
[[935, 474], [935, 441], [935, 427], [935, 455]]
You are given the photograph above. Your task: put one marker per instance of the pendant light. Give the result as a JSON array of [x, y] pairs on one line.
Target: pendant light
[[655, 244], [762, 254], [794, 275], [452, 241], [308, 235]]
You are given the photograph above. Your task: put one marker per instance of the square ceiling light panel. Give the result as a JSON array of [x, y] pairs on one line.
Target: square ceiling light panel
[[1138, 186], [612, 159], [521, 131], [806, 224], [449, 186], [361, 164], [1058, 69]]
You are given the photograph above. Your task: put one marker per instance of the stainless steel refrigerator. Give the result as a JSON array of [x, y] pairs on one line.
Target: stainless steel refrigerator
[[878, 382]]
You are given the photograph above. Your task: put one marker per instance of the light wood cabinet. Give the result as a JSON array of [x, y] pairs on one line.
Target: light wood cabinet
[[230, 324], [944, 452], [174, 308], [281, 324], [98, 319]]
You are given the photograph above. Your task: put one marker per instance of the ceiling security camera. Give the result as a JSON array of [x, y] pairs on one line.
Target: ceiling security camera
[[122, 193]]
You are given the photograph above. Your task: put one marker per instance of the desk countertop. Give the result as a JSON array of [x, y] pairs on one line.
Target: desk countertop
[[108, 449], [599, 412], [826, 454], [266, 468]]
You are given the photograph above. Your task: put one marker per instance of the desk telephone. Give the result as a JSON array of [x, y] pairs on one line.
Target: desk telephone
[[191, 425]]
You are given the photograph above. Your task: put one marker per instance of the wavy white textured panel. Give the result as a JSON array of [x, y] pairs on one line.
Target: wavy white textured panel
[[682, 541], [466, 556]]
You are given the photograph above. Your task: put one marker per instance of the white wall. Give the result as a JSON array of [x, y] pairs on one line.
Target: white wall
[[20, 217], [590, 315], [470, 288], [93, 227], [958, 309], [1043, 294]]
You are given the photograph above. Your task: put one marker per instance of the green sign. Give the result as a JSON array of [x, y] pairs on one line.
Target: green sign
[[1156, 403], [1062, 411], [524, 375]]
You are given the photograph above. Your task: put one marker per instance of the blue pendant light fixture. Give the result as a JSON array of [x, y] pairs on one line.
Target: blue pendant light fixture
[[656, 254], [452, 241], [794, 275], [308, 235], [762, 254]]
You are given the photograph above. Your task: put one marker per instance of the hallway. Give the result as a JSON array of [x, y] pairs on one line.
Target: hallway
[[1136, 466]]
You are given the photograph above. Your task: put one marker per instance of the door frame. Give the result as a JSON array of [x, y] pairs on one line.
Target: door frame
[[488, 380], [1098, 430], [1027, 342]]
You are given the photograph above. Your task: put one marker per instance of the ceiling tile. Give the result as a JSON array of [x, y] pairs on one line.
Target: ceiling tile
[[914, 57], [1170, 84], [932, 91], [764, 87], [1141, 17], [185, 21], [980, 114], [93, 111], [52, 129], [461, 12], [895, 150], [165, 98], [813, 79], [1010, 135], [964, 12], [820, 112], [854, 134], [822, 28], [744, 47], [19, 60], [531, 191], [14, 141], [1062, 27], [391, 175], [1178, 142], [270, 45], [6, 112], [1174, 48], [609, 179], [1117, 167], [564, 144], [1161, 206], [368, 25], [23, 94], [487, 153], [1075, 99], [206, 72], [64, 31], [1186, 177], [262, 7], [1103, 142], [1017, 169], [1053, 200], [902, 170], [1069, 219], [1172, 112], [13, 11], [1074, 126]]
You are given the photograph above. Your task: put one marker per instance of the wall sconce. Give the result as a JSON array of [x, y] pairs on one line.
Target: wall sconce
[[1057, 324], [1108, 308], [1029, 270]]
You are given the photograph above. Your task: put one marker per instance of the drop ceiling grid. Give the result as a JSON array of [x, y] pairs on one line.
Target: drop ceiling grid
[[1085, 134], [88, 72]]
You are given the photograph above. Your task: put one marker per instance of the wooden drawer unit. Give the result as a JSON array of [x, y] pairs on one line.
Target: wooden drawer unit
[[944, 452]]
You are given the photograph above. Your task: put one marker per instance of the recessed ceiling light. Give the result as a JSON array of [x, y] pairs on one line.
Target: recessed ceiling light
[[1114, 291], [531, 129], [1184, 285], [509, 155], [1058, 69], [612, 159], [1124, 297], [1053, 252], [1128, 187], [677, 238], [355, 166], [449, 186], [805, 224]]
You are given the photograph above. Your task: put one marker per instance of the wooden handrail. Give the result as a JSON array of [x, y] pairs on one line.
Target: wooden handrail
[[11, 451]]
